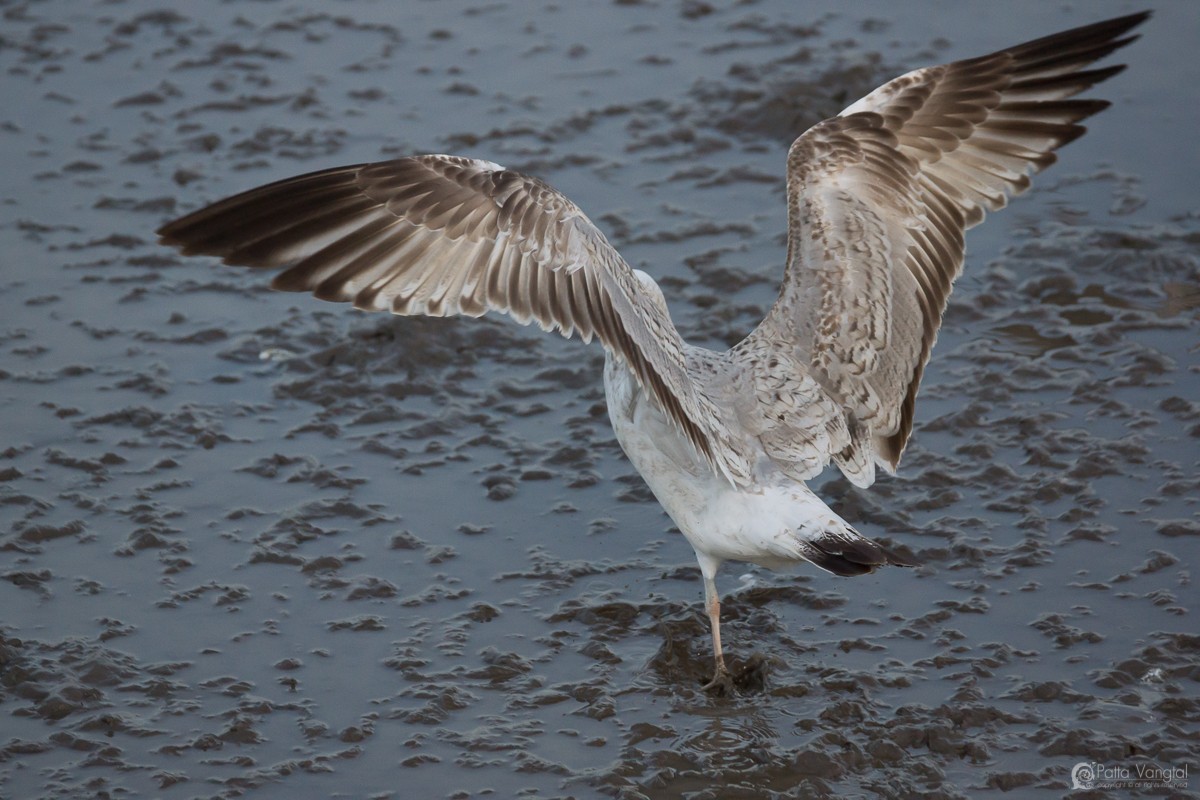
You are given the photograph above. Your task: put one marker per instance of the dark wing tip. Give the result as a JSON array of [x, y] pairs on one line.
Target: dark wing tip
[[1105, 31], [170, 235]]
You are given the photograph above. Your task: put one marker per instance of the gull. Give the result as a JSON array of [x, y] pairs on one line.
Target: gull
[[878, 200]]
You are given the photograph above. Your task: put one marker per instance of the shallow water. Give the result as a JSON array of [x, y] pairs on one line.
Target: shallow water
[[257, 545]]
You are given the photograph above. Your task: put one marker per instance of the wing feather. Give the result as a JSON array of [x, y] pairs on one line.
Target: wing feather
[[879, 198], [443, 235]]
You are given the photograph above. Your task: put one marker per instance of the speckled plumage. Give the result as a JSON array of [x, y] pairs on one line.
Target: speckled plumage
[[879, 198]]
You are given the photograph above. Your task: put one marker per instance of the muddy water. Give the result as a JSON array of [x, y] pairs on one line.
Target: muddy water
[[252, 545]]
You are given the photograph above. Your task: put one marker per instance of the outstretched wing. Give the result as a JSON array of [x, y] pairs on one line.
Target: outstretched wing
[[878, 200], [442, 235]]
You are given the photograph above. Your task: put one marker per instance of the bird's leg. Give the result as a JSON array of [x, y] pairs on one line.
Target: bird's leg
[[722, 682]]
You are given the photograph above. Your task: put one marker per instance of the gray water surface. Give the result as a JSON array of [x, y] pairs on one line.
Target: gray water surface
[[256, 545]]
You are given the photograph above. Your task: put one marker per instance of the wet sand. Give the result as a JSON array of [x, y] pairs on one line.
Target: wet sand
[[255, 545]]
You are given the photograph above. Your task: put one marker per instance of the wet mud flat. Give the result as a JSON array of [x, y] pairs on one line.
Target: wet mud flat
[[254, 545]]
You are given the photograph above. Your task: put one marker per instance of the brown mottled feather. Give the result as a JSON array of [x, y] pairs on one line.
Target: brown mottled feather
[[441, 235], [879, 198]]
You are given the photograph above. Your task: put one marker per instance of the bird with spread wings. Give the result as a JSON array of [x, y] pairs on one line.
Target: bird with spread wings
[[878, 200]]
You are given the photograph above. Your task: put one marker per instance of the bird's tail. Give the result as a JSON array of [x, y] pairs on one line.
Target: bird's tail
[[844, 551]]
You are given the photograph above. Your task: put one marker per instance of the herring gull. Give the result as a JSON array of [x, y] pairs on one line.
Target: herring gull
[[878, 200]]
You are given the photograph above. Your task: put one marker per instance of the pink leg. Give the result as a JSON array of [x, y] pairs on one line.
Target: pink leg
[[713, 606], [721, 682]]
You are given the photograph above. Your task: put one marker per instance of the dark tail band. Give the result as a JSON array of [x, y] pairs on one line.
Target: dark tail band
[[852, 556]]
